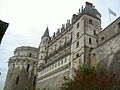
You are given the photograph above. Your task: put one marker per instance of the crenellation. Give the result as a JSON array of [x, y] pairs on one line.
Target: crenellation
[[68, 24], [63, 27]]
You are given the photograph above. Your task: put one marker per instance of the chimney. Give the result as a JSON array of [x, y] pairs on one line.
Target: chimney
[[89, 4]]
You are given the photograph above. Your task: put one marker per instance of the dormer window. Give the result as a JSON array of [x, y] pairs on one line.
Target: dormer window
[[91, 21], [46, 39]]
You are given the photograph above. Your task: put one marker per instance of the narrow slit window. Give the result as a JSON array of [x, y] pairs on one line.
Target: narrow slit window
[[34, 80], [28, 66], [90, 41], [78, 25], [94, 32], [30, 54], [17, 80]]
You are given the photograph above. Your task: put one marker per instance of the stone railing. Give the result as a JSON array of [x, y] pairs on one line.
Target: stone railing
[[67, 44]]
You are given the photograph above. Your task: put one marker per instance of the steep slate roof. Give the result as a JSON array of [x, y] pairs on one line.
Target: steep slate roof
[[89, 9], [46, 34]]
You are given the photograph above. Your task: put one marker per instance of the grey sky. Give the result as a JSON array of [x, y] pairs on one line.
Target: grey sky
[[28, 20]]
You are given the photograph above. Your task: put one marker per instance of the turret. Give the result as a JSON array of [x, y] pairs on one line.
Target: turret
[[43, 47], [22, 69], [86, 24]]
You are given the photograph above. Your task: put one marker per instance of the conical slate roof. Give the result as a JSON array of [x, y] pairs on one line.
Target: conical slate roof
[[46, 34]]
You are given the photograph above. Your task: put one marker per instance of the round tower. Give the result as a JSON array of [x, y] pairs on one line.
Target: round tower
[[43, 48], [22, 69]]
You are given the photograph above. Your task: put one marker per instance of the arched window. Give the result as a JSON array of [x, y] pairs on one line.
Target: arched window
[[28, 66], [17, 79], [30, 54], [34, 80]]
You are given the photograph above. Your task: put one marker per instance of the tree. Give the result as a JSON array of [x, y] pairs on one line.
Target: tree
[[87, 78]]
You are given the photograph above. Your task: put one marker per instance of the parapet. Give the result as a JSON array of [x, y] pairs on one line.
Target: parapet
[[26, 51]]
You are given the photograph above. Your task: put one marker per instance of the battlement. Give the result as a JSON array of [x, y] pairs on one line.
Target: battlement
[[26, 51], [26, 48], [89, 9]]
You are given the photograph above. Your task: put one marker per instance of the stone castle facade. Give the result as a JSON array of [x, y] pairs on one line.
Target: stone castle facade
[[80, 41]]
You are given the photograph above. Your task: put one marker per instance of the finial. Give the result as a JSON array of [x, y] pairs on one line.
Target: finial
[[82, 8]]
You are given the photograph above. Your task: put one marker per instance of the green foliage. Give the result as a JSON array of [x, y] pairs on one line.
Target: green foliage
[[86, 78]]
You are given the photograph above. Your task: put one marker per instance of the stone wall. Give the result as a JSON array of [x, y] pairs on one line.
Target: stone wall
[[25, 79], [53, 82], [107, 55]]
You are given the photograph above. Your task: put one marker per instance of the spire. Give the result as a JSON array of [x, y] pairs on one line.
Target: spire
[[46, 34]]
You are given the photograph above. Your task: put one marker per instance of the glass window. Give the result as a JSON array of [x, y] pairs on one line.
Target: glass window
[[119, 25], [78, 25], [62, 62], [34, 80], [65, 60], [90, 41], [94, 32], [77, 44], [59, 63], [77, 55], [77, 35], [90, 21], [28, 66], [102, 38], [30, 54], [17, 79], [55, 65], [52, 66]]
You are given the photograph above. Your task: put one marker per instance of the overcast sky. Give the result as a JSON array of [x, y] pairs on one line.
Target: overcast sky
[[28, 20]]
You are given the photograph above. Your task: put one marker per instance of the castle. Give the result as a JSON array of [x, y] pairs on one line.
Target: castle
[[79, 41]]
